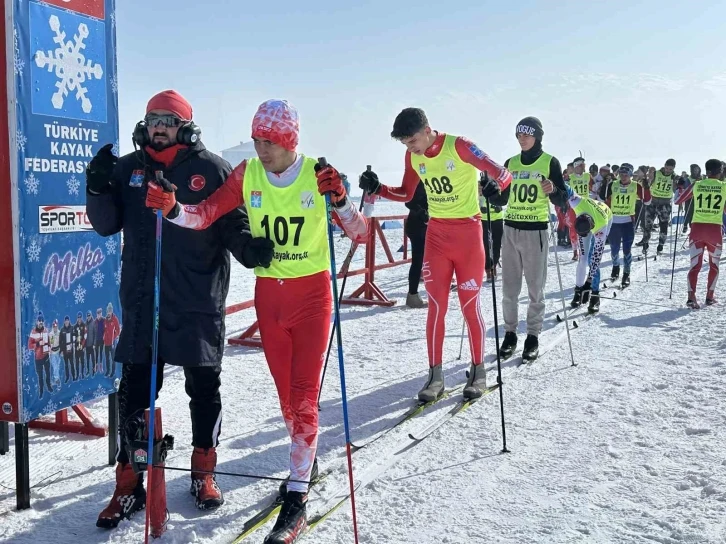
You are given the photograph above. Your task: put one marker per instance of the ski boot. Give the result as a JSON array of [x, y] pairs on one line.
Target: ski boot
[[711, 301], [128, 498], [415, 301], [207, 495], [642, 243], [509, 344], [491, 274], [576, 298], [659, 249], [575, 255], [314, 474], [476, 382], [434, 387], [693, 304], [626, 280], [615, 274], [530, 352], [594, 306], [292, 519]]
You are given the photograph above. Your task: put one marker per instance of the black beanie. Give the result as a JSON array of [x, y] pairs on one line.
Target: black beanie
[[530, 126], [713, 166], [671, 162]]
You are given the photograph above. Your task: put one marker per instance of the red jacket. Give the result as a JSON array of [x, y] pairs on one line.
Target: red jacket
[[111, 330], [39, 341]]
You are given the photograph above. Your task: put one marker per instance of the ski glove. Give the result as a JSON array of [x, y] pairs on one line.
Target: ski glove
[[160, 196], [99, 170], [329, 181], [258, 252], [368, 181], [489, 187]]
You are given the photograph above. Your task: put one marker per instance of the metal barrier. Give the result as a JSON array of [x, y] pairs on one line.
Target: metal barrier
[[368, 294]]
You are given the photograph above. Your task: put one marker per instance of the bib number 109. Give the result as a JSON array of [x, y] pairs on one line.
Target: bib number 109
[[281, 230], [524, 192], [438, 186]]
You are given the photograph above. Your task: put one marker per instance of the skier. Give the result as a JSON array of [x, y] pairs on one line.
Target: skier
[[621, 198], [447, 166], [111, 332], [525, 247], [66, 347], [100, 323], [79, 345], [39, 343], [580, 181], [55, 354], [282, 191], [416, 225], [493, 253], [194, 283], [662, 186], [91, 331], [590, 217], [709, 201], [688, 204]]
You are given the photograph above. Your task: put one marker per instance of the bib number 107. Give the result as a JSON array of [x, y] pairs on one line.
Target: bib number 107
[[438, 186], [281, 230]]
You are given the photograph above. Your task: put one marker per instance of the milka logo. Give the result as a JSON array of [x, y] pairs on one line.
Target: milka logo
[[61, 273]]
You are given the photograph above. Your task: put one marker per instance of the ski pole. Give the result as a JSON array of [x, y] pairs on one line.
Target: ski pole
[[640, 303], [496, 334], [345, 268], [562, 296], [461, 344], [675, 245], [154, 356], [341, 363]]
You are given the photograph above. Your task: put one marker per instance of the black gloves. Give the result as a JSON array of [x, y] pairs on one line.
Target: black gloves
[[368, 181], [99, 170], [489, 187], [258, 252]]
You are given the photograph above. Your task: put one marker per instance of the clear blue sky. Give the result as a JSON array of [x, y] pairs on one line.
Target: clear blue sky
[[620, 80]]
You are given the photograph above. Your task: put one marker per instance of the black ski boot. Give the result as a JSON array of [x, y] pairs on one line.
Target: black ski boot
[[626, 280], [594, 306], [530, 352], [508, 345], [659, 249], [476, 382], [641, 243], [313, 476], [292, 520], [577, 298], [615, 274]]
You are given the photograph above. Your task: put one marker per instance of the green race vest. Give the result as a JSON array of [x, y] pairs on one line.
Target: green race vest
[[451, 184], [527, 200], [623, 198], [580, 183], [709, 198], [293, 217], [495, 216], [599, 212], [662, 186]]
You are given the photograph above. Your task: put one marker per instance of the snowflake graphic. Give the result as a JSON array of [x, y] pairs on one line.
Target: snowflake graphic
[[27, 356], [77, 399], [26, 388], [20, 140], [114, 84], [24, 288], [26, 415], [113, 19], [115, 149], [71, 67], [32, 184], [79, 294], [99, 393], [73, 184], [111, 245], [117, 276], [97, 278], [18, 63], [33, 251], [50, 408]]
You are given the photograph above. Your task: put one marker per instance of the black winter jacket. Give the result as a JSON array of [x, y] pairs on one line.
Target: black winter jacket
[[195, 265]]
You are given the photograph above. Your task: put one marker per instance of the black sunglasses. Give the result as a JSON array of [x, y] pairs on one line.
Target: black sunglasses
[[155, 120]]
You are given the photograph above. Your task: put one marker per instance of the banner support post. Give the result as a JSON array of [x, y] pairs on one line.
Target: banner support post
[[112, 428], [4, 438], [22, 466]]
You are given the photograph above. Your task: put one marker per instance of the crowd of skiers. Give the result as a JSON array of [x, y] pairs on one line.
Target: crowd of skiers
[[270, 213], [79, 348]]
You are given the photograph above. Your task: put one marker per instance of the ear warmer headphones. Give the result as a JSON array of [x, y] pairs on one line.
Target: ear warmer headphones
[[188, 134]]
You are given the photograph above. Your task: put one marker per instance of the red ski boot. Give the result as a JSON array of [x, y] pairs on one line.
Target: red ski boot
[[128, 498], [204, 485]]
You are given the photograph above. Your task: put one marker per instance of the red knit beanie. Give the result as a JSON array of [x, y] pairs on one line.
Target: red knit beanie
[[171, 101]]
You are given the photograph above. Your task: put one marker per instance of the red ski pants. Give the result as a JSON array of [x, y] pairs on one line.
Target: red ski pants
[[294, 319], [704, 237], [454, 245]]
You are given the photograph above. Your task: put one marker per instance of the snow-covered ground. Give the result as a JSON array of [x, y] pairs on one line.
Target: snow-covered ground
[[626, 447]]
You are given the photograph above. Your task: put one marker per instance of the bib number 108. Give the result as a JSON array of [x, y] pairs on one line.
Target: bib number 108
[[438, 186], [281, 230]]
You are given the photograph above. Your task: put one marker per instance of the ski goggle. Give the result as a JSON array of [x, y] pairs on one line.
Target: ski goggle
[[154, 121]]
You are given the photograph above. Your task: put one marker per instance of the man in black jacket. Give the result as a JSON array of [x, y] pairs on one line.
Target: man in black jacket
[[418, 218], [194, 284]]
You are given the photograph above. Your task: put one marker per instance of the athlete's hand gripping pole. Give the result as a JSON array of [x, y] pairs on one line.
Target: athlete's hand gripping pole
[[322, 162]]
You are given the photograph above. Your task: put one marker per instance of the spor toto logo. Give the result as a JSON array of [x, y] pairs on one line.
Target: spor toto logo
[[63, 219], [7, 408]]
